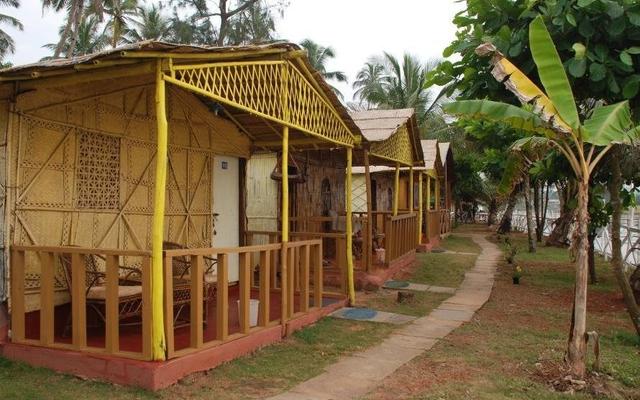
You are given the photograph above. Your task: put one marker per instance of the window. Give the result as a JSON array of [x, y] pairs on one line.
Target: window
[[98, 171]]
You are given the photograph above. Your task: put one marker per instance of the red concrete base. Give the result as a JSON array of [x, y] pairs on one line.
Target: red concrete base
[[376, 278], [157, 375]]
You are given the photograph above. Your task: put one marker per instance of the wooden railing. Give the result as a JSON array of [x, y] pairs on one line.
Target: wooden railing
[[400, 236], [302, 278], [445, 221], [433, 224], [81, 275]]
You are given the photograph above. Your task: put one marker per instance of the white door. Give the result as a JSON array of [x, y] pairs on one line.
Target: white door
[[226, 203]]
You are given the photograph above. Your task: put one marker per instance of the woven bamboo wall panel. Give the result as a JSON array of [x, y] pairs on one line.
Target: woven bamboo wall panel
[[397, 147]]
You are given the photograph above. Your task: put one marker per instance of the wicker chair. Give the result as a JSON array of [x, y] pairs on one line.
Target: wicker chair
[[181, 266], [129, 291]]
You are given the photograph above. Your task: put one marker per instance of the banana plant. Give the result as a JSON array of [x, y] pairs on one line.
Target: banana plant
[[552, 115]]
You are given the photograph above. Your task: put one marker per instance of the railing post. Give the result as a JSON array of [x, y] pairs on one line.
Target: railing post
[[46, 298], [222, 298], [78, 301], [17, 296], [197, 299], [388, 239], [112, 340], [265, 291], [304, 280], [245, 292], [317, 272]]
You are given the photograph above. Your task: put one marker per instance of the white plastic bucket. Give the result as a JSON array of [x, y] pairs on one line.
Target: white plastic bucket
[[254, 306]]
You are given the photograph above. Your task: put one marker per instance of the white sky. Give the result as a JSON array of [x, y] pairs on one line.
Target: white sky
[[356, 29]]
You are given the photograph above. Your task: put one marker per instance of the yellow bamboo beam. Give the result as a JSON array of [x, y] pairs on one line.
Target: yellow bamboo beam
[[420, 209], [157, 322], [349, 228], [428, 193], [396, 186], [438, 194], [411, 189], [369, 236]]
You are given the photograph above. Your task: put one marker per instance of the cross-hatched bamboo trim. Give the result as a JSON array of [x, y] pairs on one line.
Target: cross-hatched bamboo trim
[[396, 148], [257, 87]]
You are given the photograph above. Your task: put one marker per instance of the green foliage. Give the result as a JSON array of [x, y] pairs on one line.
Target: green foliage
[[319, 56], [597, 39], [7, 44]]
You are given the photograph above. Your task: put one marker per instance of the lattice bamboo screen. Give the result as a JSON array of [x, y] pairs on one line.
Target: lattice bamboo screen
[[276, 90], [396, 148]]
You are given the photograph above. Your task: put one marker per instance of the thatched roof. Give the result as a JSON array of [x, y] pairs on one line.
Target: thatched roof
[[143, 52], [444, 151], [380, 125]]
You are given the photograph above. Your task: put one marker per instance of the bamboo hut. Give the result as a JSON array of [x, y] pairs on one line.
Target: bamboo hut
[[126, 175], [390, 222]]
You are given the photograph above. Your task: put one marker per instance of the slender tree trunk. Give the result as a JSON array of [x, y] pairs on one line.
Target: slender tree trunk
[[577, 345], [493, 209], [505, 222], [545, 208], [615, 184], [593, 278], [537, 206], [527, 202], [71, 19], [560, 233]]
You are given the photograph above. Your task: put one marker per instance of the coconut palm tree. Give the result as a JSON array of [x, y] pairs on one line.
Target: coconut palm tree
[[120, 14], [387, 82], [151, 24], [76, 14], [7, 45], [318, 57], [88, 39]]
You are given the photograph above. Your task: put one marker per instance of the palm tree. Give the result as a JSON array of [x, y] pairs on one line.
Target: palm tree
[[76, 15], [253, 25], [88, 39], [120, 14], [318, 57], [7, 45], [151, 24], [387, 82]]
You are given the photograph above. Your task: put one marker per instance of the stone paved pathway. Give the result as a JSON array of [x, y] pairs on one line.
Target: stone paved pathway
[[356, 375]]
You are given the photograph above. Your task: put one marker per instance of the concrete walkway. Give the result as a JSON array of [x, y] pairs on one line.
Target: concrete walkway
[[360, 373]]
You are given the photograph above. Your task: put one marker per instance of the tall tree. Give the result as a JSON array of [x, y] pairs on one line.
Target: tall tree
[[75, 16], [149, 24], [89, 38], [553, 115], [227, 22], [399, 84], [120, 14], [319, 56], [7, 45]]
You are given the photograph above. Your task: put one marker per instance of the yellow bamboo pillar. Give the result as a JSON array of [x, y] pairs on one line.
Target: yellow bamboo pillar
[[157, 312], [396, 187], [369, 236], [420, 209], [429, 216], [285, 225], [349, 228], [411, 189]]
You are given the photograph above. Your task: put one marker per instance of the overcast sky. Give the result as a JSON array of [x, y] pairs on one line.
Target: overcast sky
[[356, 29]]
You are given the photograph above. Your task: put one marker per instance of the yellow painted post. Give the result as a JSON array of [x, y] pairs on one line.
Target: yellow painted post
[[396, 187], [428, 193], [411, 189], [157, 316], [284, 263], [349, 223], [420, 209]]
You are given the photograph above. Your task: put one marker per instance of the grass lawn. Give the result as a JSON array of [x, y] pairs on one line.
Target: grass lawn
[[513, 347]]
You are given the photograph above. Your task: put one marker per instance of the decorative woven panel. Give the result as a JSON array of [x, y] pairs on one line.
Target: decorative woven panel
[[396, 148], [98, 171], [274, 89]]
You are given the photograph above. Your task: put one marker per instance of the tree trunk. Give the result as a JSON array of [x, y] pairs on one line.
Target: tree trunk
[[71, 19], [537, 203], [560, 233], [545, 208], [505, 222], [531, 235], [577, 346], [592, 259], [491, 215], [615, 184]]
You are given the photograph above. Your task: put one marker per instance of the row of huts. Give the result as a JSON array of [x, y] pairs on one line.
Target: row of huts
[[169, 207]]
